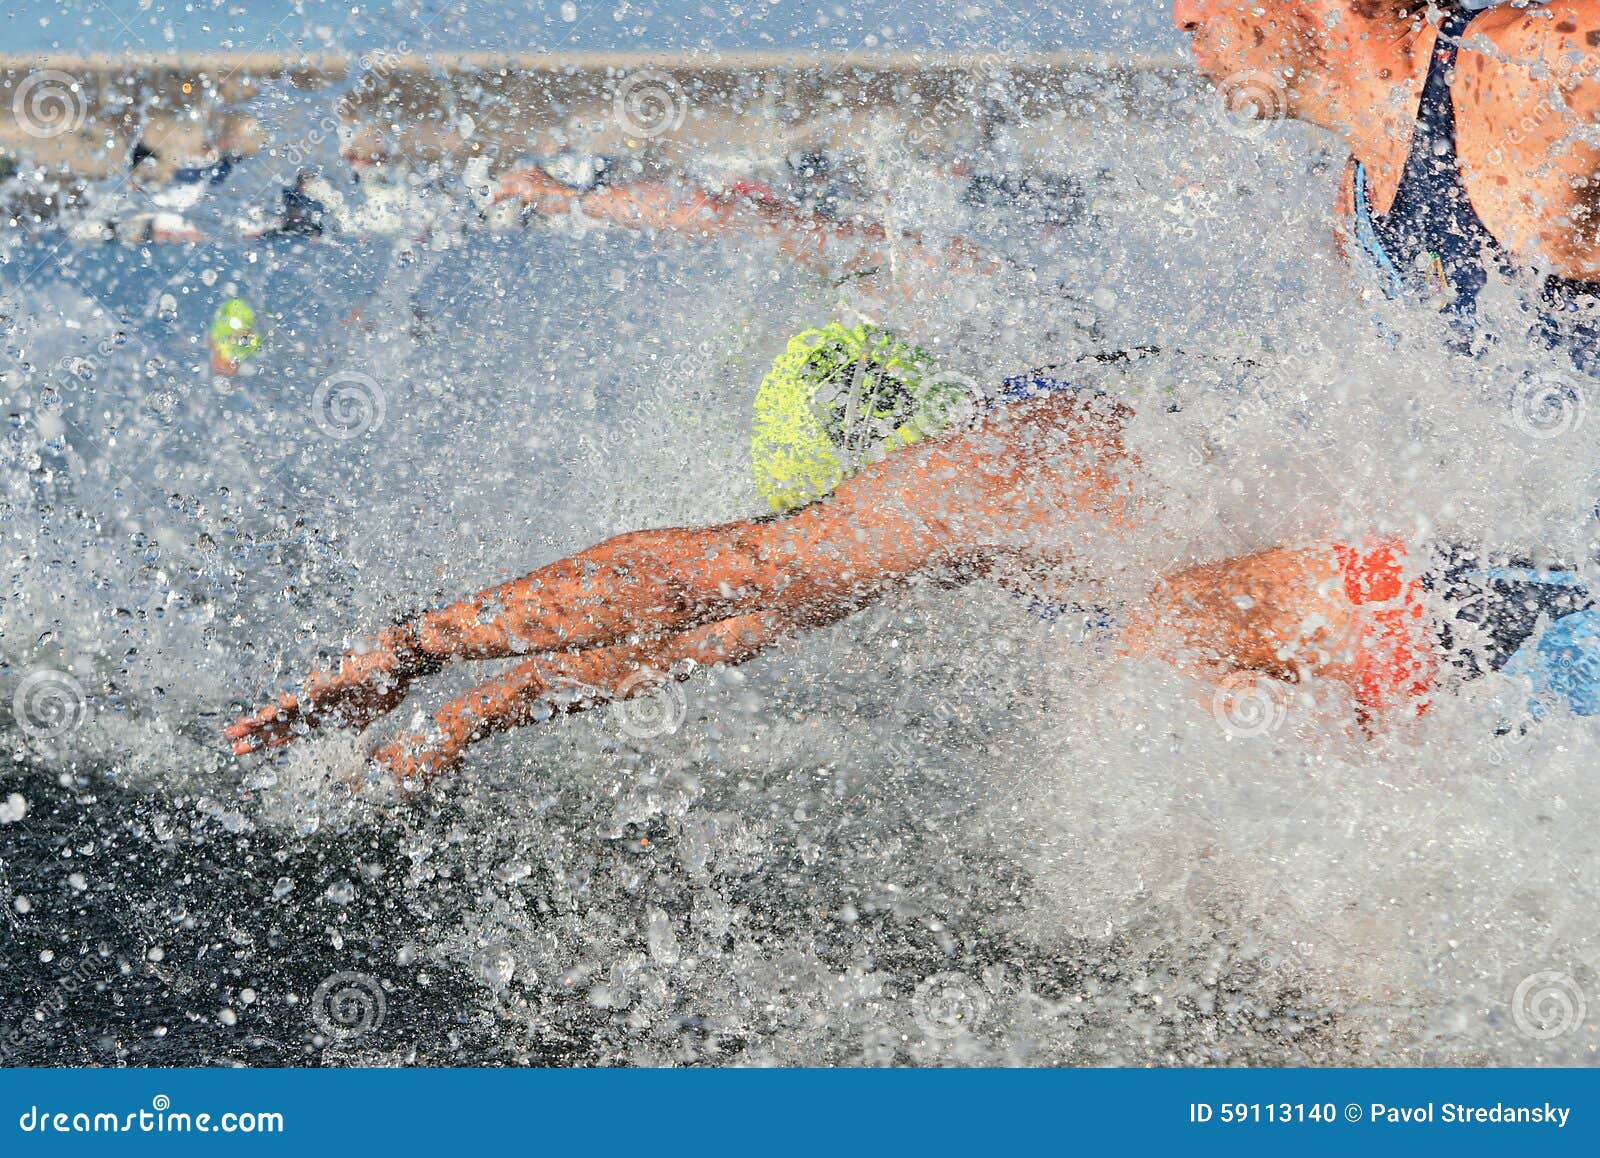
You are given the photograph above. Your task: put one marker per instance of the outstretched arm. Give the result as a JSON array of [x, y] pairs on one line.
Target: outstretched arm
[[956, 502], [1007, 486], [818, 242], [1022, 485], [535, 188], [535, 688]]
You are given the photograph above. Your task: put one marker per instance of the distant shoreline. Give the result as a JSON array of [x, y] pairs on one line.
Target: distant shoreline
[[335, 64], [82, 113]]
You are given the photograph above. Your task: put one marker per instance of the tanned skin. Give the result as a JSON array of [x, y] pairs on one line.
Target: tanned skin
[[1035, 478], [1526, 93], [812, 239], [1011, 489]]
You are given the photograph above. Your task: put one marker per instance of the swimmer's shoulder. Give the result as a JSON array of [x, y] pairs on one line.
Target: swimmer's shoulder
[[1512, 52]]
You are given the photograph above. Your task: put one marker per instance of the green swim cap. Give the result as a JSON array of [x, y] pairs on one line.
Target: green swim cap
[[838, 399], [233, 330]]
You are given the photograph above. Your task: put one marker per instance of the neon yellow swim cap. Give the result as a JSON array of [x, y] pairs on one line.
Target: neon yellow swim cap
[[233, 330], [838, 399]]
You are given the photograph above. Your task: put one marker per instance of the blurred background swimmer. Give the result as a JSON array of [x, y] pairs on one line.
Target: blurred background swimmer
[[395, 199], [153, 205], [818, 238], [310, 207]]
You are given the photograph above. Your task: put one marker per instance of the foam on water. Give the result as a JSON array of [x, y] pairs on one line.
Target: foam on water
[[939, 831]]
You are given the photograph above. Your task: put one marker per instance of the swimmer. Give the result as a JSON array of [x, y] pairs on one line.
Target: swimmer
[[164, 228], [1471, 160], [171, 189], [180, 186], [391, 196], [1050, 200], [996, 177], [884, 265], [310, 207], [818, 240], [1046, 476]]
